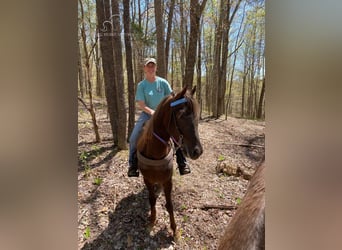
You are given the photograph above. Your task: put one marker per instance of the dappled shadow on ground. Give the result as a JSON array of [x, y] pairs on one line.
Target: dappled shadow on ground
[[95, 152], [256, 151], [127, 227], [116, 212], [85, 143]]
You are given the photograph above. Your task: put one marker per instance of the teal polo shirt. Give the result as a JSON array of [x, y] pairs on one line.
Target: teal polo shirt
[[153, 93]]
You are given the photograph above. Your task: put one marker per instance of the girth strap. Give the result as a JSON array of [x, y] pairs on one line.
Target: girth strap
[[151, 162]]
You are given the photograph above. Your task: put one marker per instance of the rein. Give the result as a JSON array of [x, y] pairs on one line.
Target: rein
[[173, 104], [159, 138]]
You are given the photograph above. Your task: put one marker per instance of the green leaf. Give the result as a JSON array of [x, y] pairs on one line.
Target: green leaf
[[97, 181], [221, 158], [238, 200], [87, 233]]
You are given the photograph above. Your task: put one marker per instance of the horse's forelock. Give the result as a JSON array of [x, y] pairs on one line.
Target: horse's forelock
[[192, 102]]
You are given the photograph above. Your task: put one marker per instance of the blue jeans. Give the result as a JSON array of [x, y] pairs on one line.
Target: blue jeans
[[135, 135]]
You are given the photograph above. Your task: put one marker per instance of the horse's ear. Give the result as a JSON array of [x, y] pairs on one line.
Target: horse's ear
[[182, 93], [193, 91]]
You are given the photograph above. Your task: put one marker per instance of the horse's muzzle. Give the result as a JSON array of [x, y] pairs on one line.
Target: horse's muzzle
[[196, 152]]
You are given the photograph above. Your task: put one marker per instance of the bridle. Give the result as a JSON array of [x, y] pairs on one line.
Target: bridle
[[177, 144]]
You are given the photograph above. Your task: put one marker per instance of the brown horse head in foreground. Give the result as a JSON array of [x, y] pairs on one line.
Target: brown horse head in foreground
[[176, 118]]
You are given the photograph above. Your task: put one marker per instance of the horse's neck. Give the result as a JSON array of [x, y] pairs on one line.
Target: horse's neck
[[155, 149], [158, 148]]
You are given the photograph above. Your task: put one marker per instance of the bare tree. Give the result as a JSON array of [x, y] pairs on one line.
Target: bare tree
[[244, 80], [183, 31], [238, 43], [129, 66], [168, 34], [118, 76], [158, 10], [199, 73], [196, 10], [80, 71], [87, 59], [208, 61], [227, 15], [103, 15], [99, 80], [261, 100]]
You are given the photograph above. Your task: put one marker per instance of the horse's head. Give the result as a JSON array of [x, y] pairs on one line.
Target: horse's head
[[183, 125]]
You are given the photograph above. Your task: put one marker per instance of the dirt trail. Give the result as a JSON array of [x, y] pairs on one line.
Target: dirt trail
[[116, 211]]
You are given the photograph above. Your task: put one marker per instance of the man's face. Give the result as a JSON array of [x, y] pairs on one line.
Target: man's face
[[150, 68]]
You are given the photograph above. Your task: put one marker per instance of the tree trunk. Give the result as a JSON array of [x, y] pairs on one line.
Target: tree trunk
[[182, 32], [87, 58], [147, 18], [244, 79], [253, 74], [199, 73], [261, 100], [129, 65], [259, 76], [99, 82], [224, 57], [139, 43], [208, 76], [93, 119], [172, 69], [168, 34], [217, 62], [118, 76], [103, 14], [158, 10], [229, 101], [80, 71], [221, 55], [196, 10], [139, 12]]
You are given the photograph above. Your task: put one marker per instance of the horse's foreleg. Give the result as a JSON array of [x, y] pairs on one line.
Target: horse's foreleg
[[169, 206], [152, 198]]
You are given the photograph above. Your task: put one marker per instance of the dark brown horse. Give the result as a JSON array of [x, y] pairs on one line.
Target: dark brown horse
[[176, 117]]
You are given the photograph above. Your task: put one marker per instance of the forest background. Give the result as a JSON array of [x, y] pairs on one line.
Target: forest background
[[216, 45]]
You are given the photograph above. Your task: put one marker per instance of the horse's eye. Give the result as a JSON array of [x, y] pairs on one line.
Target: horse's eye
[[180, 114], [183, 114]]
